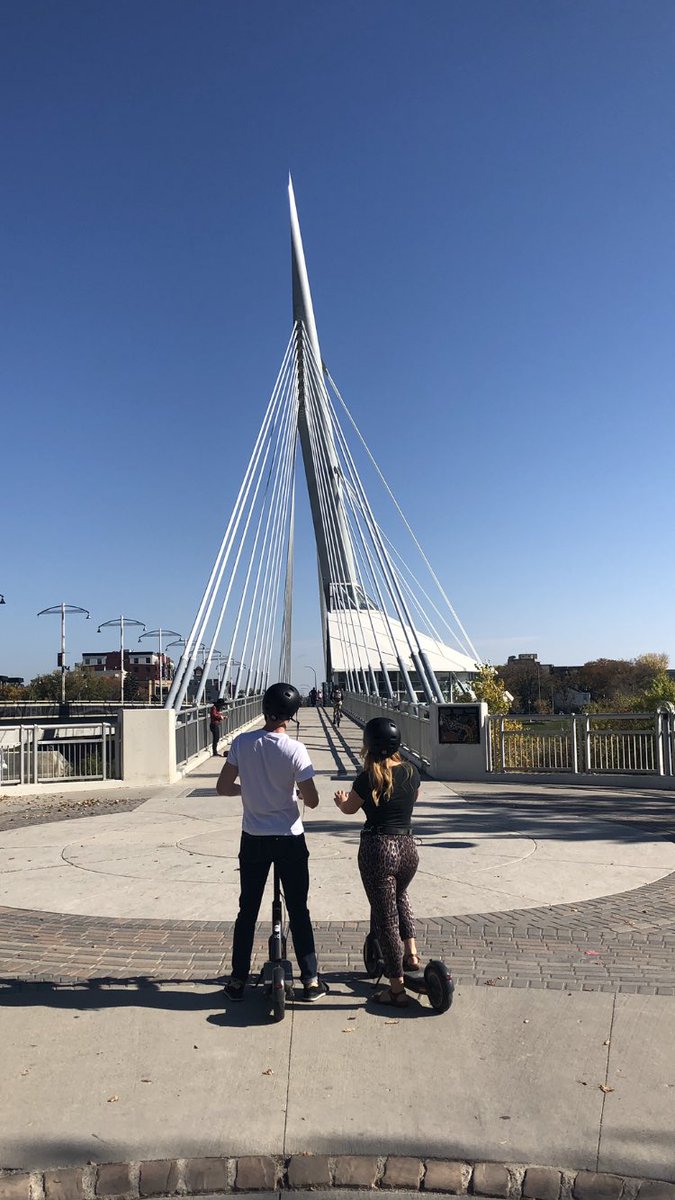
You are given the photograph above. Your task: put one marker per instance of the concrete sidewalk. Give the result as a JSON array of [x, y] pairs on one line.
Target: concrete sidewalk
[[110, 1072]]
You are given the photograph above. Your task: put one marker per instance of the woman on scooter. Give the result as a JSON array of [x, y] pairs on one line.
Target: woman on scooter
[[386, 790]]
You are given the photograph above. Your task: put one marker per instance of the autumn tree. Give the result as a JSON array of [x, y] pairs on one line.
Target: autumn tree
[[524, 679], [80, 685], [488, 687], [661, 691]]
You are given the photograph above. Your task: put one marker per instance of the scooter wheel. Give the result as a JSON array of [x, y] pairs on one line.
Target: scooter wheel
[[439, 985], [278, 993], [372, 957]]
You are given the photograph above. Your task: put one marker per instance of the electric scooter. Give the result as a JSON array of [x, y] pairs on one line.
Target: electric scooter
[[277, 973], [434, 981]]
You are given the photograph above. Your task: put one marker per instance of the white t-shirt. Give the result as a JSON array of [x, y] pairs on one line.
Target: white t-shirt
[[270, 765]]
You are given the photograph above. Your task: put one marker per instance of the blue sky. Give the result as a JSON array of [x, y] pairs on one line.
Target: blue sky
[[486, 192]]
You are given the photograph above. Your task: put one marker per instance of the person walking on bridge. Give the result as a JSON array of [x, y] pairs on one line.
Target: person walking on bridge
[[273, 770]]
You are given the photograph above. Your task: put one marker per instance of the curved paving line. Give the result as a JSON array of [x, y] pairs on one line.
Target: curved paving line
[[278, 1173], [624, 942]]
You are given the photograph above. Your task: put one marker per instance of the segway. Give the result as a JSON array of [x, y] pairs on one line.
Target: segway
[[435, 981], [277, 973]]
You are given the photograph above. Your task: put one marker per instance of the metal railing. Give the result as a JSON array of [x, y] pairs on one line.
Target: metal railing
[[16, 711], [38, 753], [412, 720], [583, 744], [192, 725], [586, 744]]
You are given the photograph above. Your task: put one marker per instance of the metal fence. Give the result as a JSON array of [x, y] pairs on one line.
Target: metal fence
[[192, 725], [39, 753], [586, 744], [412, 720], [17, 711]]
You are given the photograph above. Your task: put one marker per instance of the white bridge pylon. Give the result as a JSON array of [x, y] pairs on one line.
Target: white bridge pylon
[[385, 631]]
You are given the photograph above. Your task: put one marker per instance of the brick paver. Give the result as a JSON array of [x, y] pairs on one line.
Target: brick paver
[[624, 943], [194, 1176]]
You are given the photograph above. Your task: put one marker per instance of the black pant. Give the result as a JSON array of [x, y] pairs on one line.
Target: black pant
[[215, 735], [256, 855]]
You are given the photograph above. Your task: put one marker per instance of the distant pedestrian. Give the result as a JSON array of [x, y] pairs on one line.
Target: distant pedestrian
[[312, 697], [216, 718]]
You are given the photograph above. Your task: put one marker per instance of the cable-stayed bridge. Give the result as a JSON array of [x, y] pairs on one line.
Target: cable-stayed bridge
[[388, 627]]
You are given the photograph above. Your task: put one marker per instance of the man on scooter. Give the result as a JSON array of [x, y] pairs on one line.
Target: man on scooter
[[271, 766]]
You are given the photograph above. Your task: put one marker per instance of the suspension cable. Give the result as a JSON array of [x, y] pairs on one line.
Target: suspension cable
[[271, 503], [425, 672], [271, 612], [341, 587], [318, 434], [381, 557], [265, 555], [328, 523], [428, 565], [181, 679], [233, 572]]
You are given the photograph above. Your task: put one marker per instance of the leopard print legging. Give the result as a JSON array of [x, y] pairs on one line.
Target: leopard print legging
[[388, 864]]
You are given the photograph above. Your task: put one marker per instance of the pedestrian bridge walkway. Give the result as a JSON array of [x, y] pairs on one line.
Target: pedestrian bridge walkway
[[175, 857]]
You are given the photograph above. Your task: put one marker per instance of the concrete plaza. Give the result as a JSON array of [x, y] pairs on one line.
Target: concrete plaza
[[554, 907]]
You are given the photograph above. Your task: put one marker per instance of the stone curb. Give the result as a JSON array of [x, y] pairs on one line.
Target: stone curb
[[254, 1173]]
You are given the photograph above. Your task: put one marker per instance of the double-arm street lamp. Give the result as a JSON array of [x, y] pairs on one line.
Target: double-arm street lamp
[[121, 623], [161, 633], [62, 609]]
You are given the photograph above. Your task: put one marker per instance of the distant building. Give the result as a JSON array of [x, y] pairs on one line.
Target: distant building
[[13, 679], [142, 665]]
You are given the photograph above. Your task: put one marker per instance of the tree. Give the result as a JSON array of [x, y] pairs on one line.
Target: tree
[[618, 683], [13, 691], [45, 687], [524, 679], [488, 687], [648, 667], [80, 685], [606, 678], [660, 691]]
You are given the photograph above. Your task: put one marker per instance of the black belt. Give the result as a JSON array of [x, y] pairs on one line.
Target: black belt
[[388, 832]]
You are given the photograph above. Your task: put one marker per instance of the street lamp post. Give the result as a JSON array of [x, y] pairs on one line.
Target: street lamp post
[[62, 609], [120, 622], [159, 633]]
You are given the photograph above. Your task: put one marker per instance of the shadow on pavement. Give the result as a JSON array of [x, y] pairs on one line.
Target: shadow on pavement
[[175, 995]]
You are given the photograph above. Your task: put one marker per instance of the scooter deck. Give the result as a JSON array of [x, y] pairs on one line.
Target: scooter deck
[[268, 970]]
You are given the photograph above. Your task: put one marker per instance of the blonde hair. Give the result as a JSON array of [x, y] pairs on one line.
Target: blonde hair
[[381, 773]]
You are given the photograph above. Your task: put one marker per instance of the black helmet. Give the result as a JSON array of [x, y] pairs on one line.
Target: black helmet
[[381, 737], [281, 702]]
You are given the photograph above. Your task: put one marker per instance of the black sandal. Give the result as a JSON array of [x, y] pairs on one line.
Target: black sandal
[[393, 999]]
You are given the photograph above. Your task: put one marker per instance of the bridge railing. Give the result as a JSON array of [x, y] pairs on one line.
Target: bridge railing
[[583, 744], [192, 725], [576, 745], [61, 753], [412, 720]]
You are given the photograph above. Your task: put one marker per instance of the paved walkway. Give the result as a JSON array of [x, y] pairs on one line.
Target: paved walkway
[[546, 1056]]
